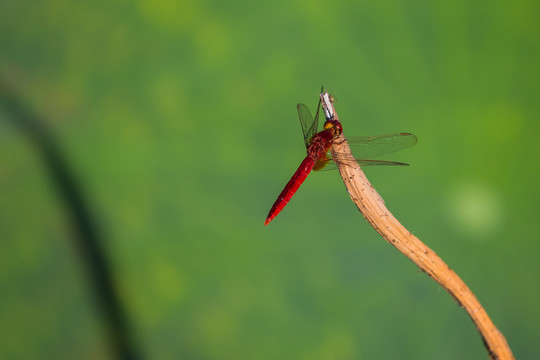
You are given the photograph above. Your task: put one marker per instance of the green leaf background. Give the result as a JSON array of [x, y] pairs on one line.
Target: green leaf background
[[178, 119]]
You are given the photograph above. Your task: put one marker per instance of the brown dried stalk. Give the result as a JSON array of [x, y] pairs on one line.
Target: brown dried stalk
[[372, 207]]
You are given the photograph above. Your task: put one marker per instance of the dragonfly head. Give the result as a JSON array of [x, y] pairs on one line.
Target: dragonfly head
[[335, 126]]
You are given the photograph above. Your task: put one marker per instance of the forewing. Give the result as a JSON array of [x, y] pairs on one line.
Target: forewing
[[364, 148], [309, 125], [372, 146]]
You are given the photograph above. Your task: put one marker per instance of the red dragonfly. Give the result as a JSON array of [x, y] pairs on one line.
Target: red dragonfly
[[318, 156]]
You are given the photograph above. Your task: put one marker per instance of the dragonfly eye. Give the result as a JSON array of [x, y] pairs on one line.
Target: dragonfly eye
[[334, 126], [338, 129]]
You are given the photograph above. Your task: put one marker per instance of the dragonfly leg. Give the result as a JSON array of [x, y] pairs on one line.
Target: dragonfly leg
[[339, 142]]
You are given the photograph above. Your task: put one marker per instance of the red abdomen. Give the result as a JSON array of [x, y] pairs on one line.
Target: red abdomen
[[290, 189]]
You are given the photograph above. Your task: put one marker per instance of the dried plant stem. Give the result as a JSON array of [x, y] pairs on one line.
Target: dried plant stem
[[372, 207]]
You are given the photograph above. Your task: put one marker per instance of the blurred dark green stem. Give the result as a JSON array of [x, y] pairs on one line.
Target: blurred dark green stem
[[87, 238]]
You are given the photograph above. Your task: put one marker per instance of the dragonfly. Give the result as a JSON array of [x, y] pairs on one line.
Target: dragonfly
[[318, 157]]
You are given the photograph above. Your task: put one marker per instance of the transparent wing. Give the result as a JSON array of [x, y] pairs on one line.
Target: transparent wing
[[331, 164], [309, 125], [366, 147]]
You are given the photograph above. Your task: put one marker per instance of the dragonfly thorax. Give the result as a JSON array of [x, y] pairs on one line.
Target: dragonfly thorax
[[320, 143]]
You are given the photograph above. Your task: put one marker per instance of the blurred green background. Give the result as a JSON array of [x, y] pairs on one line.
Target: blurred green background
[[179, 120]]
